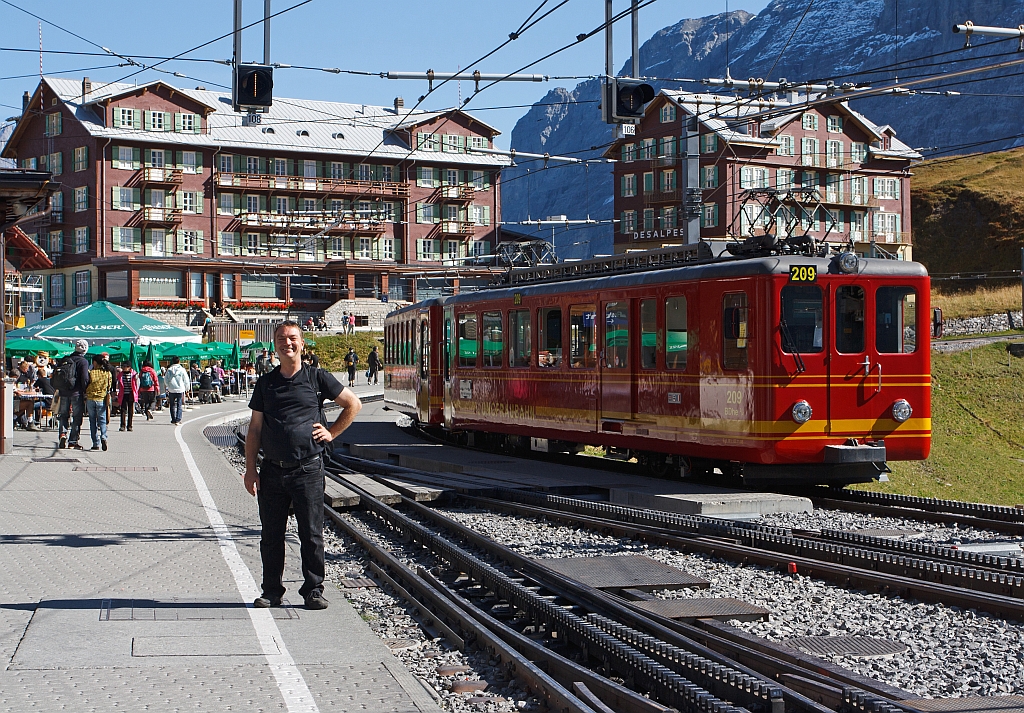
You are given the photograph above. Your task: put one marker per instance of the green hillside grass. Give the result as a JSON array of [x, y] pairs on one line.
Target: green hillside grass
[[977, 431], [332, 349]]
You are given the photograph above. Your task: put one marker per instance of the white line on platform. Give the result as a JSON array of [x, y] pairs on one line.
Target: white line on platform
[[289, 680]]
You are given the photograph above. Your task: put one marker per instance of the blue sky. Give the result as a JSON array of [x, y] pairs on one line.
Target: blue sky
[[387, 35]]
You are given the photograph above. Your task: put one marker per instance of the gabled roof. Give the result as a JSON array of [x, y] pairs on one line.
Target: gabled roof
[[296, 126], [422, 118], [23, 253], [112, 91], [708, 109]]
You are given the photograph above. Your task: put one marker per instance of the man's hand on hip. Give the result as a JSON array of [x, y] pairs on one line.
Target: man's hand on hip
[[322, 434]]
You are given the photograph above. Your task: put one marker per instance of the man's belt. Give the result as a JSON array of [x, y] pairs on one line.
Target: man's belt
[[286, 464]]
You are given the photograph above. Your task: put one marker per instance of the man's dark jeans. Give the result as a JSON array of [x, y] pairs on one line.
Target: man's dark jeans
[[303, 487], [69, 416], [174, 401]]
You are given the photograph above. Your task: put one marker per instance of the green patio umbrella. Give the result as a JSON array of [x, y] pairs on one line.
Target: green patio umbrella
[[103, 322], [259, 346], [216, 350], [118, 350], [234, 359], [134, 356], [30, 347], [152, 355], [186, 352]]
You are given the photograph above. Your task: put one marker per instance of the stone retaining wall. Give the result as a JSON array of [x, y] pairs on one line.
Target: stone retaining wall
[[981, 325]]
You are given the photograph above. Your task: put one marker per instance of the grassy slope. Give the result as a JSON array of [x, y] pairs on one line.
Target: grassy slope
[[332, 350], [968, 213], [977, 431]]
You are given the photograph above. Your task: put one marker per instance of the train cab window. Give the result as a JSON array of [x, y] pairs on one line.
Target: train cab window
[[734, 330], [648, 333], [549, 338], [616, 335], [676, 335], [895, 320], [424, 349], [520, 340], [802, 319], [494, 342], [582, 337], [850, 319], [467, 339]]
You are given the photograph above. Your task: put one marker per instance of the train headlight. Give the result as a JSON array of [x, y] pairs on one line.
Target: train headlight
[[801, 412], [848, 262], [901, 411]]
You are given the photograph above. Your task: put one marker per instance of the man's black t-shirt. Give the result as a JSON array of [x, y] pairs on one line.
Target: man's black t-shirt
[[290, 409]]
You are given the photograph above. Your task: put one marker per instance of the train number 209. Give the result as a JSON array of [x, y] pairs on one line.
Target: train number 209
[[803, 273]]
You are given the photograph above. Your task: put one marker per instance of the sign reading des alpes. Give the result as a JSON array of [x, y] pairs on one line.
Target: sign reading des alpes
[[660, 234]]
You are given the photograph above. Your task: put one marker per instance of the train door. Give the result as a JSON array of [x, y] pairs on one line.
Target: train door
[[874, 364], [447, 346], [615, 362], [423, 396]]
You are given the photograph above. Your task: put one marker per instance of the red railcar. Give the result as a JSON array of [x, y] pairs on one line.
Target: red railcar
[[807, 369]]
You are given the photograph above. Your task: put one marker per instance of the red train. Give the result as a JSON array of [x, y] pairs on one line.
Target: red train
[[782, 368]]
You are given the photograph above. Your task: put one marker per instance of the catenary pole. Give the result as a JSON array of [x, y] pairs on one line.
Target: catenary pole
[[236, 59], [266, 31], [635, 17]]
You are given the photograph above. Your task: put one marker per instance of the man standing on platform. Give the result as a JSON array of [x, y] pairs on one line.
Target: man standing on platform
[[288, 424], [70, 379]]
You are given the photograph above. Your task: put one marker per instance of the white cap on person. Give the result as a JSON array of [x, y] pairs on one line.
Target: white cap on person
[[81, 346]]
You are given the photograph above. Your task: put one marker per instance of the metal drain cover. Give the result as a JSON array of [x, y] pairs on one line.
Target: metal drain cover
[[627, 571], [888, 534], [862, 647], [56, 460], [723, 608], [220, 435], [973, 704]]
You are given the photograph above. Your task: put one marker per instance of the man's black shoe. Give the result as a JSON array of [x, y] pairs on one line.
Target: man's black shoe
[[316, 600], [267, 602]]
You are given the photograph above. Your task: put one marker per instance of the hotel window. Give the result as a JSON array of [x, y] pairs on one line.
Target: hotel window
[[156, 121], [280, 167], [649, 182], [628, 186], [387, 174], [56, 290], [785, 179], [364, 210], [56, 242], [124, 157], [80, 158], [189, 161], [786, 145], [124, 239], [451, 177], [428, 142], [53, 124], [833, 154], [810, 122], [709, 177], [751, 177], [309, 205], [834, 220], [477, 142], [364, 172], [309, 169], [479, 248], [648, 218], [81, 198], [887, 188], [668, 218], [156, 158], [628, 222], [29, 163], [227, 203], [429, 249], [668, 147], [228, 241], [452, 250], [189, 241], [252, 204], [126, 198], [428, 213], [226, 163], [809, 152], [857, 224], [885, 226], [833, 187], [337, 170], [126, 118], [709, 216], [82, 239], [668, 113], [668, 181], [858, 152], [834, 124], [281, 205], [83, 287], [365, 248], [809, 179], [252, 243], [628, 152], [157, 242], [708, 143], [388, 245], [252, 164], [186, 123], [453, 143], [187, 201], [227, 286]]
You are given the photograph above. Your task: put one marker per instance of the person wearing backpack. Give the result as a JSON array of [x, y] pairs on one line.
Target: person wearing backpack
[[373, 365], [70, 378], [127, 393], [351, 359], [148, 387]]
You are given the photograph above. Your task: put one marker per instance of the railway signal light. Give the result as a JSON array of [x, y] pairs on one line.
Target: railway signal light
[[625, 100], [255, 88]]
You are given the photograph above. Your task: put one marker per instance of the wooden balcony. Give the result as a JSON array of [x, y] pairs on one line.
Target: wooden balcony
[[151, 214], [161, 175], [340, 186], [312, 222], [463, 194], [457, 227]]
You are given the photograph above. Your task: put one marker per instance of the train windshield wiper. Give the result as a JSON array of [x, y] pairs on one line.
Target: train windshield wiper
[[788, 340]]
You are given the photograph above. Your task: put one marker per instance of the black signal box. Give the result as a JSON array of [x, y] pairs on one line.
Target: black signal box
[[254, 88]]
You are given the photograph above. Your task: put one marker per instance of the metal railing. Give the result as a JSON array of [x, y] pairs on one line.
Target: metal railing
[[161, 175], [259, 181]]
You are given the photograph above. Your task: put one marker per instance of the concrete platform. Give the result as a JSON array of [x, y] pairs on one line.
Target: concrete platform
[[377, 437], [126, 581]]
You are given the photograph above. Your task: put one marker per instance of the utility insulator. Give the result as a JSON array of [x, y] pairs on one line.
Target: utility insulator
[[625, 100], [255, 84]]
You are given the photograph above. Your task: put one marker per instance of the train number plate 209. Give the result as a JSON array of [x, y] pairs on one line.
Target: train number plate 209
[[803, 273]]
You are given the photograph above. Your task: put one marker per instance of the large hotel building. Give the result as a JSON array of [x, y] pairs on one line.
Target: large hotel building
[[171, 199]]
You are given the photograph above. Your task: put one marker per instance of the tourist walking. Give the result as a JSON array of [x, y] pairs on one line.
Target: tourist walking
[[70, 378], [148, 388], [97, 402], [288, 424], [127, 393], [352, 323], [351, 359], [178, 383], [373, 365]]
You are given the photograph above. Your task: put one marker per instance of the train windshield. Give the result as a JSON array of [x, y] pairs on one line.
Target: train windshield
[[895, 323], [802, 319]]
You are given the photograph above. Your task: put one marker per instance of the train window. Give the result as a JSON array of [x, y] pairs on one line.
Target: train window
[[850, 319], [895, 320], [734, 330], [802, 321], [406, 343], [549, 338], [414, 345], [648, 333], [494, 342], [424, 349], [676, 334], [616, 335], [401, 343], [448, 348], [520, 341], [582, 337], [467, 339]]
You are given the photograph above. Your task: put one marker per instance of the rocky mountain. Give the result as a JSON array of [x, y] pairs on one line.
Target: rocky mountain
[[801, 41]]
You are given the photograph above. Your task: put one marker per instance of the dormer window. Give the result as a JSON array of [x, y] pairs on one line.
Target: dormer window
[[338, 135], [302, 132], [268, 130]]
